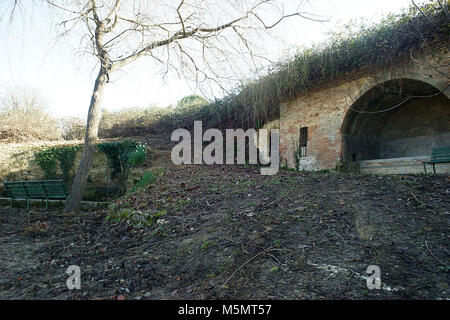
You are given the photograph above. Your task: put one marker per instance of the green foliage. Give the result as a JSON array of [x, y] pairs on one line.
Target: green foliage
[[297, 160], [119, 154], [147, 179], [192, 101], [134, 217], [341, 166], [66, 157], [139, 156], [443, 268], [120, 210], [48, 160], [205, 245]]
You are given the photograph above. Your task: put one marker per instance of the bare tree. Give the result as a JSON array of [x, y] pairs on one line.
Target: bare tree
[[198, 39]]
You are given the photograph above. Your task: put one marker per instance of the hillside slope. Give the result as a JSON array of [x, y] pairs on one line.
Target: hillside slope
[[215, 232]]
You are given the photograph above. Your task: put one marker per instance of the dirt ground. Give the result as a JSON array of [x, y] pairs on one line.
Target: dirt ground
[[227, 232]]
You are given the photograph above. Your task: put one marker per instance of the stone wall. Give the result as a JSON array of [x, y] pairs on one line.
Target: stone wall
[[17, 163], [17, 160], [325, 111]]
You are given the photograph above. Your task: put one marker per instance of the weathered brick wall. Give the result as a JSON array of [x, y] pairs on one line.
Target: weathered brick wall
[[323, 109]]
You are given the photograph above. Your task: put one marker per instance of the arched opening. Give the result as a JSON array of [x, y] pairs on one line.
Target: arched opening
[[396, 119]]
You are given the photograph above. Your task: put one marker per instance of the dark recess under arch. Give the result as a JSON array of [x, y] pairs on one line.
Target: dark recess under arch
[[411, 129]]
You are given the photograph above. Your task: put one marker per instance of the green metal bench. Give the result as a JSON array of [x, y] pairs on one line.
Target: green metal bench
[[438, 155], [39, 189]]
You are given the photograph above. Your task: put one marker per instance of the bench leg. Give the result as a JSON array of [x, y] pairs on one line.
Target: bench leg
[[425, 168], [28, 204], [10, 203], [434, 169], [46, 205]]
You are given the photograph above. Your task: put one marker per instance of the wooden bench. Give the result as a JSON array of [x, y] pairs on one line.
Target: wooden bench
[[438, 155], [39, 189]]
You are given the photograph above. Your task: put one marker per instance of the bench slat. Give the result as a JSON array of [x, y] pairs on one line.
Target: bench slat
[[39, 189], [438, 155]]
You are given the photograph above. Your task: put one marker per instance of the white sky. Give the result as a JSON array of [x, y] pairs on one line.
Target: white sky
[[29, 58]]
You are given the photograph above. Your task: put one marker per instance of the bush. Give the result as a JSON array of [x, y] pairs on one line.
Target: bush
[[137, 121], [131, 121], [22, 118], [147, 179], [73, 128], [139, 156]]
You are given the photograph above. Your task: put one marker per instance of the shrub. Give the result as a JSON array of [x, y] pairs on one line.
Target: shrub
[[73, 128], [118, 154], [23, 118], [147, 179], [139, 156]]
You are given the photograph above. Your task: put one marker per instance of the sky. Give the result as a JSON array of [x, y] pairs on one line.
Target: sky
[[31, 58]]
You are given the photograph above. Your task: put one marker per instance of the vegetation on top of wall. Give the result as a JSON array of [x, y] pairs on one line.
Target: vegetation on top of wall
[[346, 52]]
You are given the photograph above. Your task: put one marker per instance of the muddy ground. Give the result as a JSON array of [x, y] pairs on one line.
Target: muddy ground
[[227, 232]]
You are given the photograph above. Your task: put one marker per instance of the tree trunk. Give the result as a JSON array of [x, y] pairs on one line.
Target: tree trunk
[[73, 203]]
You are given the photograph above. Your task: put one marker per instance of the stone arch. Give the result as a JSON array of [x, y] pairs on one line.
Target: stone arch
[[388, 120], [404, 73]]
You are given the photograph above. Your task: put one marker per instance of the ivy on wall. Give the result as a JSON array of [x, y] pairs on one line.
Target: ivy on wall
[[121, 156], [48, 160]]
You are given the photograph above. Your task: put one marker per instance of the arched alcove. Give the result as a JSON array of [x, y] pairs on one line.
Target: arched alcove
[[395, 119]]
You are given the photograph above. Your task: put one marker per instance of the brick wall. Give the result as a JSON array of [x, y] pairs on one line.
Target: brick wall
[[324, 109]]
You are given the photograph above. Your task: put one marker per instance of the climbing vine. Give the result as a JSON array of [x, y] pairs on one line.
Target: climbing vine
[[48, 160], [66, 157], [123, 154]]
